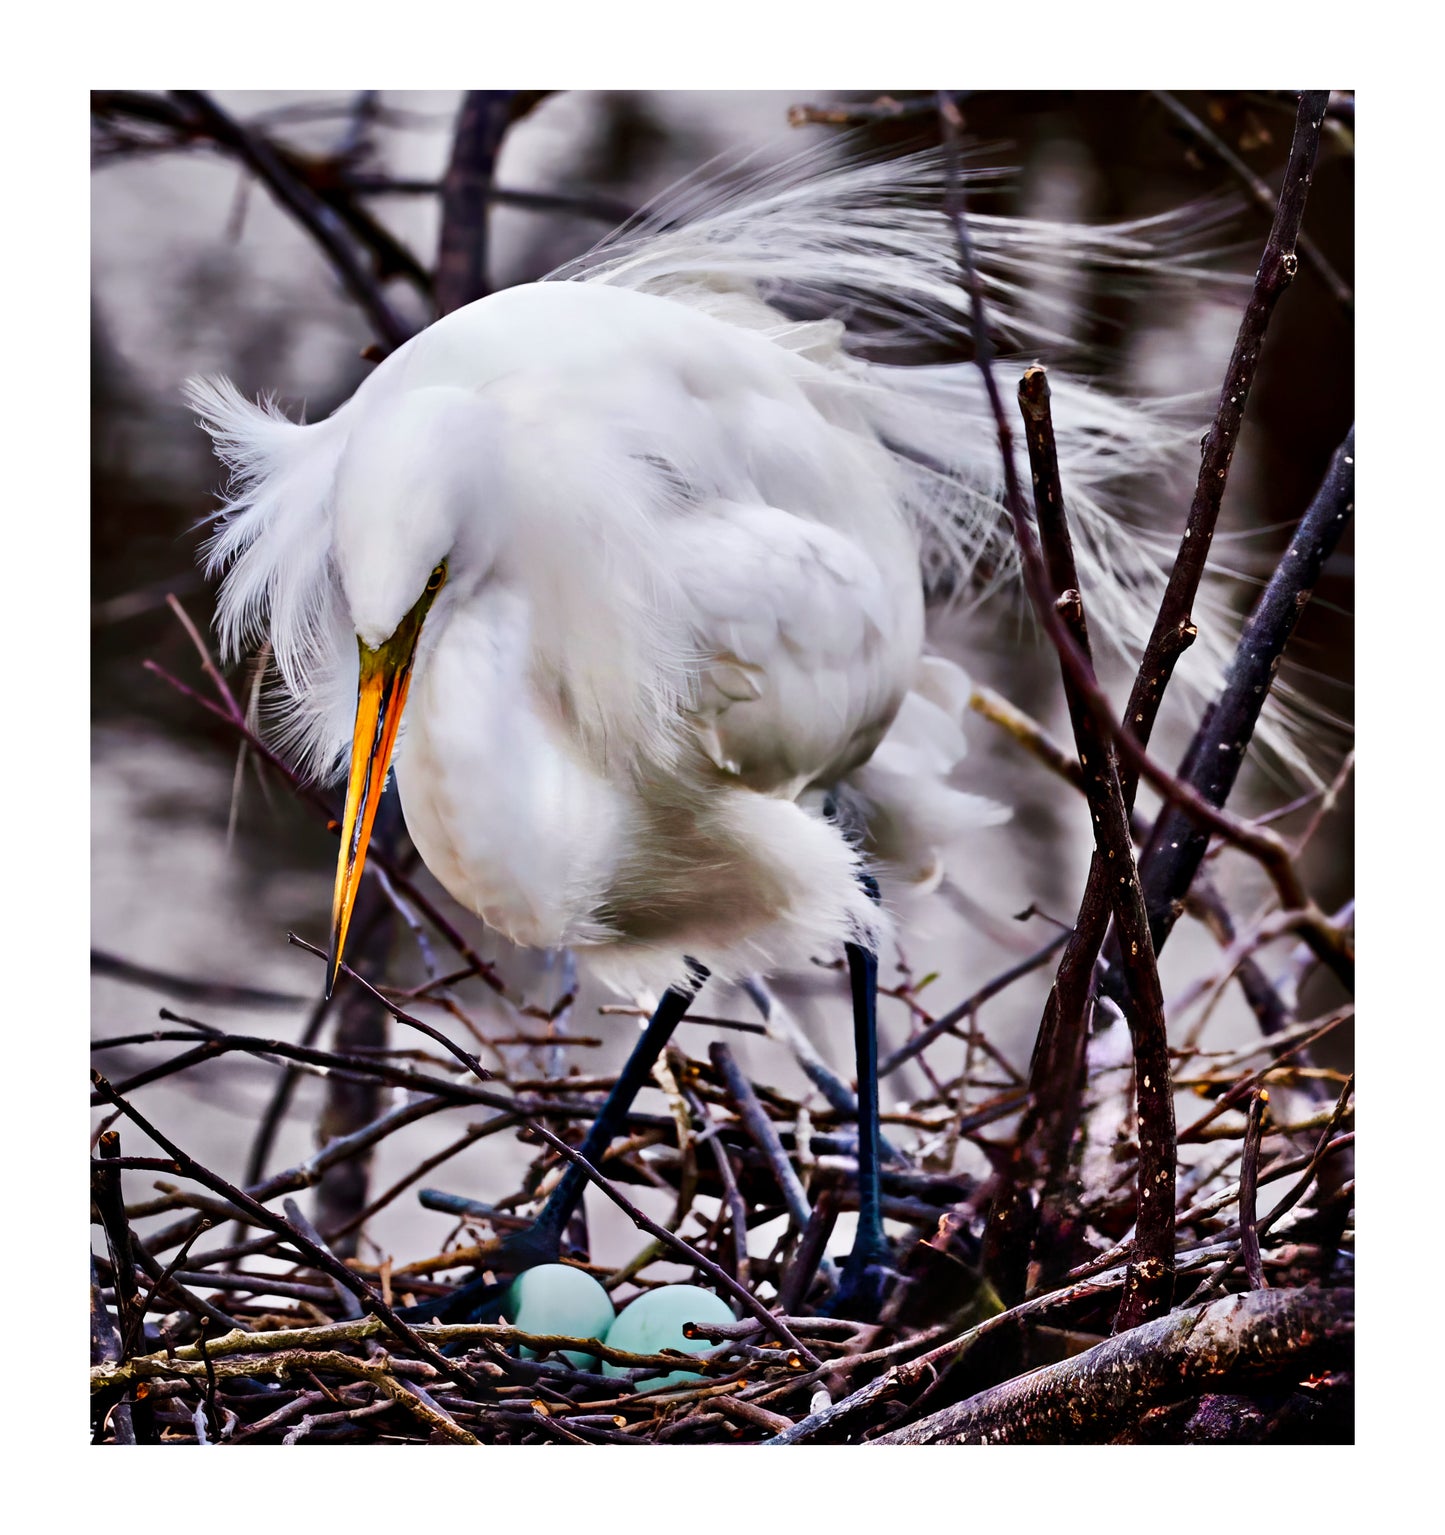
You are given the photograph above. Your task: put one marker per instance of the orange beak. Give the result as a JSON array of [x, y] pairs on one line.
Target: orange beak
[[380, 697]]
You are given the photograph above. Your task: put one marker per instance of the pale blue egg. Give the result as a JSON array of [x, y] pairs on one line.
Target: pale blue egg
[[561, 1300], [654, 1321]]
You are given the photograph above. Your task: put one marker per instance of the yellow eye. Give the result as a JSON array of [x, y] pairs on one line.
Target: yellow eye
[[434, 581]]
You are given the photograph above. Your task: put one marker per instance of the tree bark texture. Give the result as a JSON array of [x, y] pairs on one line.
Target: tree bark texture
[[1091, 1398]]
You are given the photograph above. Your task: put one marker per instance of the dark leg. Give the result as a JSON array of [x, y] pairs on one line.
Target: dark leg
[[865, 1274], [544, 1236], [541, 1242]]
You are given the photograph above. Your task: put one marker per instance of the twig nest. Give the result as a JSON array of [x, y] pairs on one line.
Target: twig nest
[[654, 1322], [564, 1301]]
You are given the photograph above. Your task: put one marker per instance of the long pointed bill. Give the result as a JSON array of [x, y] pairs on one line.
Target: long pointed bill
[[380, 698]]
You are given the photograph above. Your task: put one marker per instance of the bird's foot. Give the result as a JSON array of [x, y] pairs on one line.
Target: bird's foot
[[478, 1300], [867, 1281], [481, 1298], [528, 1247]]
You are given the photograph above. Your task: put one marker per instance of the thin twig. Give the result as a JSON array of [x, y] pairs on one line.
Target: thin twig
[[377, 856], [1054, 591], [1248, 1185], [759, 1126], [1178, 842], [1258, 189], [970, 1005], [1174, 629], [1150, 1286], [853, 114], [690, 1254], [189, 1167], [319, 221], [732, 1196]]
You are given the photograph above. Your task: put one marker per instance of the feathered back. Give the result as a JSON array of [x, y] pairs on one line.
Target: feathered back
[[866, 241], [865, 245], [828, 262]]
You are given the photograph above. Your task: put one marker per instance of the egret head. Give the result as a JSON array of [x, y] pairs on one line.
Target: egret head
[[406, 538]]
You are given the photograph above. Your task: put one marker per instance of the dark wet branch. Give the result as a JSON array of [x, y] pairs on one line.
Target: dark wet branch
[[1178, 843], [1149, 1287], [1249, 1188], [732, 1196], [1259, 191], [761, 1129], [319, 221], [107, 1411], [1325, 1147], [1269, 1335], [1052, 584], [185, 989], [855, 114], [462, 249], [1174, 629], [268, 1126], [588, 205], [114, 1341]]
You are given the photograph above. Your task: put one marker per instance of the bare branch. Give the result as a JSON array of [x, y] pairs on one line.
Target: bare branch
[[486, 117], [319, 221], [1089, 1398], [1264, 199], [1174, 629]]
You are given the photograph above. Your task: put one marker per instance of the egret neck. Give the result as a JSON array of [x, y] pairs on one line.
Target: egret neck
[[385, 676]]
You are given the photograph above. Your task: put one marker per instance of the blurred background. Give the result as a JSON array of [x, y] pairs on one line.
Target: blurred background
[[200, 866]]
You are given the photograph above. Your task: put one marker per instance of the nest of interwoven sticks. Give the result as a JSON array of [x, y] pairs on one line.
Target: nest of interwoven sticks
[[198, 1336]]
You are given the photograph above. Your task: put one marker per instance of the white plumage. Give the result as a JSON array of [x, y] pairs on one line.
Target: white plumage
[[682, 539]]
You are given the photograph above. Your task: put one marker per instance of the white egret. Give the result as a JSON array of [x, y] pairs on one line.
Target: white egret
[[624, 569]]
